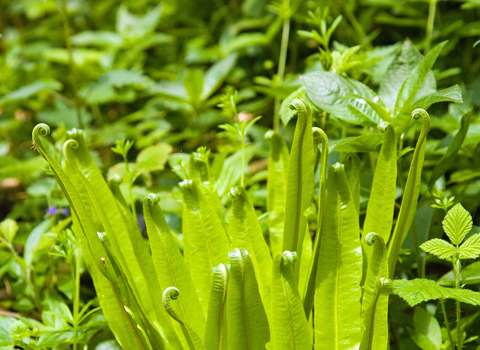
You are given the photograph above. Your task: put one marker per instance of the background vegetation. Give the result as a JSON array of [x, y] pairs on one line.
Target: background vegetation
[[178, 77]]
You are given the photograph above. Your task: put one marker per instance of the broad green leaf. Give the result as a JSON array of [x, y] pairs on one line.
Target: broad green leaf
[[76, 205], [29, 90], [470, 275], [34, 239], [153, 158], [170, 266], [215, 332], [407, 58], [451, 94], [410, 194], [247, 321], [194, 85], [193, 339], [232, 170], [453, 148], [439, 248], [276, 189], [289, 327], [245, 233], [457, 223], [419, 290], [216, 74], [375, 296], [300, 180], [416, 78], [205, 242], [338, 292], [8, 229], [381, 204], [331, 92], [423, 341], [426, 325], [470, 249]]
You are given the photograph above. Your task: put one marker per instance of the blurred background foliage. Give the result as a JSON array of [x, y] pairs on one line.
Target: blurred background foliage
[[155, 72]]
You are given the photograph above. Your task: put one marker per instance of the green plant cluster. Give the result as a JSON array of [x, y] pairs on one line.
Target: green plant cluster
[[257, 174]]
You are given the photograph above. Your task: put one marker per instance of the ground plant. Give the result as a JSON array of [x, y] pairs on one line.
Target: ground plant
[[247, 174]]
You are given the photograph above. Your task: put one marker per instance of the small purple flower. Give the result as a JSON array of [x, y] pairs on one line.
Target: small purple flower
[[66, 212], [51, 211]]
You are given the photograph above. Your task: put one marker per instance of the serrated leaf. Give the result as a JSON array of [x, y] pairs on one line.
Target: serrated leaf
[[451, 94], [470, 249], [457, 223], [330, 92], [416, 78], [439, 248], [419, 290]]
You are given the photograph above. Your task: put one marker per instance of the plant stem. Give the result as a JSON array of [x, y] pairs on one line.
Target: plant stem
[[456, 271], [71, 62], [447, 325], [242, 180], [282, 61], [431, 20], [76, 297]]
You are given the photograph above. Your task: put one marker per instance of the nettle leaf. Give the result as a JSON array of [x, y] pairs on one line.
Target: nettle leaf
[[419, 290], [332, 93], [457, 223], [439, 248], [470, 249]]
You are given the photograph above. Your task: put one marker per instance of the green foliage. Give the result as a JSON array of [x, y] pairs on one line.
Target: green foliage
[[245, 239]]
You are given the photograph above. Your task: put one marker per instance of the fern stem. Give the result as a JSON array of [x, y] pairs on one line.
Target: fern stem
[[71, 63], [282, 61], [447, 325], [456, 270], [430, 23]]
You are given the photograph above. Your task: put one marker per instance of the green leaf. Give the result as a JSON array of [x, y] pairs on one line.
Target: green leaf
[[205, 241], [438, 247], [419, 290], [288, 325], [276, 189], [375, 296], [457, 223], [153, 158], [410, 194], [247, 321], [331, 92], [232, 170], [427, 333], [381, 204], [63, 114], [451, 94], [28, 91], [8, 229], [470, 275], [470, 249], [245, 233], [194, 85], [215, 332], [407, 58], [300, 180], [337, 297], [216, 74], [170, 266], [416, 78], [453, 149]]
